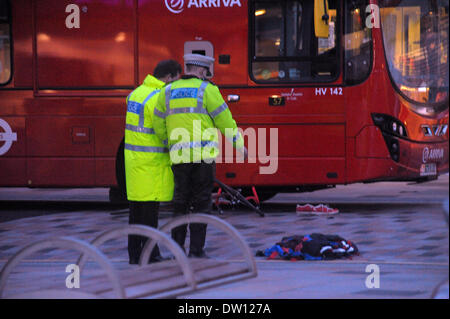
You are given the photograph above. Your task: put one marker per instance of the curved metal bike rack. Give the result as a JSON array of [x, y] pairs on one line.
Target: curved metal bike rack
[[63, 243], [206, 219], [155, 236], [210, 272]]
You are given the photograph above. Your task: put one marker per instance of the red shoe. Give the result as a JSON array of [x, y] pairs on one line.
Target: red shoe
[[304, 208], [324, 210]]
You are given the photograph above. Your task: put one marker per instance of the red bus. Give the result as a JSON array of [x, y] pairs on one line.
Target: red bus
[[361, 98]]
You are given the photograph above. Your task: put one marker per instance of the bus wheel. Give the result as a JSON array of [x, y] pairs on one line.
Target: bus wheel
[[118, 194]]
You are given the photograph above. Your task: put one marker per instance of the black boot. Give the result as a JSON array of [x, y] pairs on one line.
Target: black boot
[[179, 235], [155, 256], [198, 236]]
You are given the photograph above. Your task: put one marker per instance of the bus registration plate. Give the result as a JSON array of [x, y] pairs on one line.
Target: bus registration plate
[[428, 169]]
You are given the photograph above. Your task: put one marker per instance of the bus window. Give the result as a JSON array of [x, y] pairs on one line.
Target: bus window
[[415, 35], [5, 43], [284, 46], [358, 42]]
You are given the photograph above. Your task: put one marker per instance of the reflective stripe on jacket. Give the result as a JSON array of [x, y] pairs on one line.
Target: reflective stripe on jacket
[[148, 173], [187, 113]]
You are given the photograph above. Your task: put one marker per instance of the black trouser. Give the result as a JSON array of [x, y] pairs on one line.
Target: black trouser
[[194, 183], [144, 213]]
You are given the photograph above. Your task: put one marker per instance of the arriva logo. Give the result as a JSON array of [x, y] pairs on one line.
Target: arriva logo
[[432, 154], [177, 6]]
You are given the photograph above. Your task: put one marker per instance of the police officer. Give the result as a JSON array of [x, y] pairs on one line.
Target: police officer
[[187, 113], [149, 179]]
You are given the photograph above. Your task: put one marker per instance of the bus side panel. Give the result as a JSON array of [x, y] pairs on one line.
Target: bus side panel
[[310, 135], [369, 143], [60, 136], [61, 171], [13, 171], [288, 171], [297, 140], [16, 137], [84, 131], [105, 169], [97, 54], [22, 43], [109, 132], [162, 35], [13, 168]]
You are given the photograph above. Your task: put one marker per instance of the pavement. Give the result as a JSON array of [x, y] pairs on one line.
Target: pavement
[[399, 227], [373, 193]]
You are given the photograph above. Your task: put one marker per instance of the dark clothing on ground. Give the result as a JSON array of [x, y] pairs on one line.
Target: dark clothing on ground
[[311, 247]]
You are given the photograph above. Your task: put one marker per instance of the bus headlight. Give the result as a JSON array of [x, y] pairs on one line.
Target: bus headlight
[[394, 127]]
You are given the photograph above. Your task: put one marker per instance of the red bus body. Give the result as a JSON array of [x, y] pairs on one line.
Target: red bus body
[[66, 99]]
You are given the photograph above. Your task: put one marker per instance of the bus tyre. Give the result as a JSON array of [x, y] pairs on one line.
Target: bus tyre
[[118, 194]]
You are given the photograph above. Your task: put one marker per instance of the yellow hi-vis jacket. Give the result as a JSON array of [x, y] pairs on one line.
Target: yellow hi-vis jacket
[[148, 173], [187, 113]]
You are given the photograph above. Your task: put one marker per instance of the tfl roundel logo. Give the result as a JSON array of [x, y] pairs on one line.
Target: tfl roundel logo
[[175, 6], [7, 136]]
